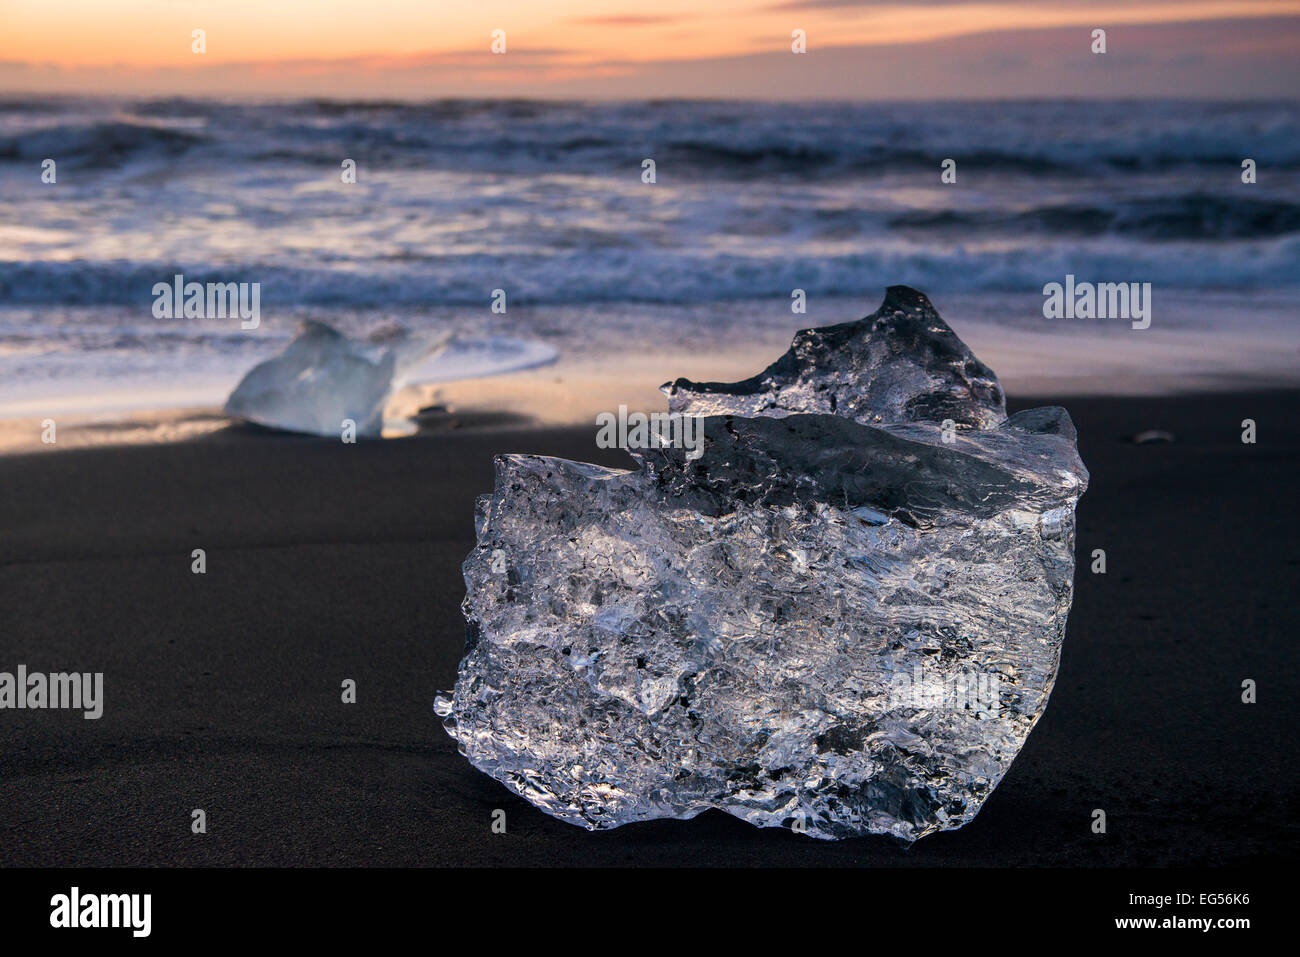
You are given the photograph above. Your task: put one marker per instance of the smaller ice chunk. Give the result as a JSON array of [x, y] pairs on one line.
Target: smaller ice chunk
[[324, 377]]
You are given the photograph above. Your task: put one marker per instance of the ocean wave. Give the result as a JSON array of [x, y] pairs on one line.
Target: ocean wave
[[593, 276], [1194, 216], [456, 198], [724, 139], [99, 144]]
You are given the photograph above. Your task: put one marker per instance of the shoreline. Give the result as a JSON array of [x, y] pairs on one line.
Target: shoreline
[[494, 405], [1199, 343]]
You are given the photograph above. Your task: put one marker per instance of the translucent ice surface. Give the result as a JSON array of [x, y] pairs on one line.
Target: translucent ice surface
[[845, 618], [323, 378]]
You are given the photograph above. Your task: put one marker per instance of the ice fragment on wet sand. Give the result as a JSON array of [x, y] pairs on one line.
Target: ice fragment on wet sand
[[323, 377], [844, 618]]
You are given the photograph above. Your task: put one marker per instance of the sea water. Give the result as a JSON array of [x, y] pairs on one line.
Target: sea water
[[527, 225]]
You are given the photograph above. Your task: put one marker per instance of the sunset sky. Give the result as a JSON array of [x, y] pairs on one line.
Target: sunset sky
[[602, 48]]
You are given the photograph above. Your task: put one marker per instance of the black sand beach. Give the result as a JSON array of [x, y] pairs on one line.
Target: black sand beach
[[327, 562]]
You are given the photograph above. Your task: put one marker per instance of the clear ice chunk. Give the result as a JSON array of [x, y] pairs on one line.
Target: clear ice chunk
[[324, 377], [844, 618], [901, 363]]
